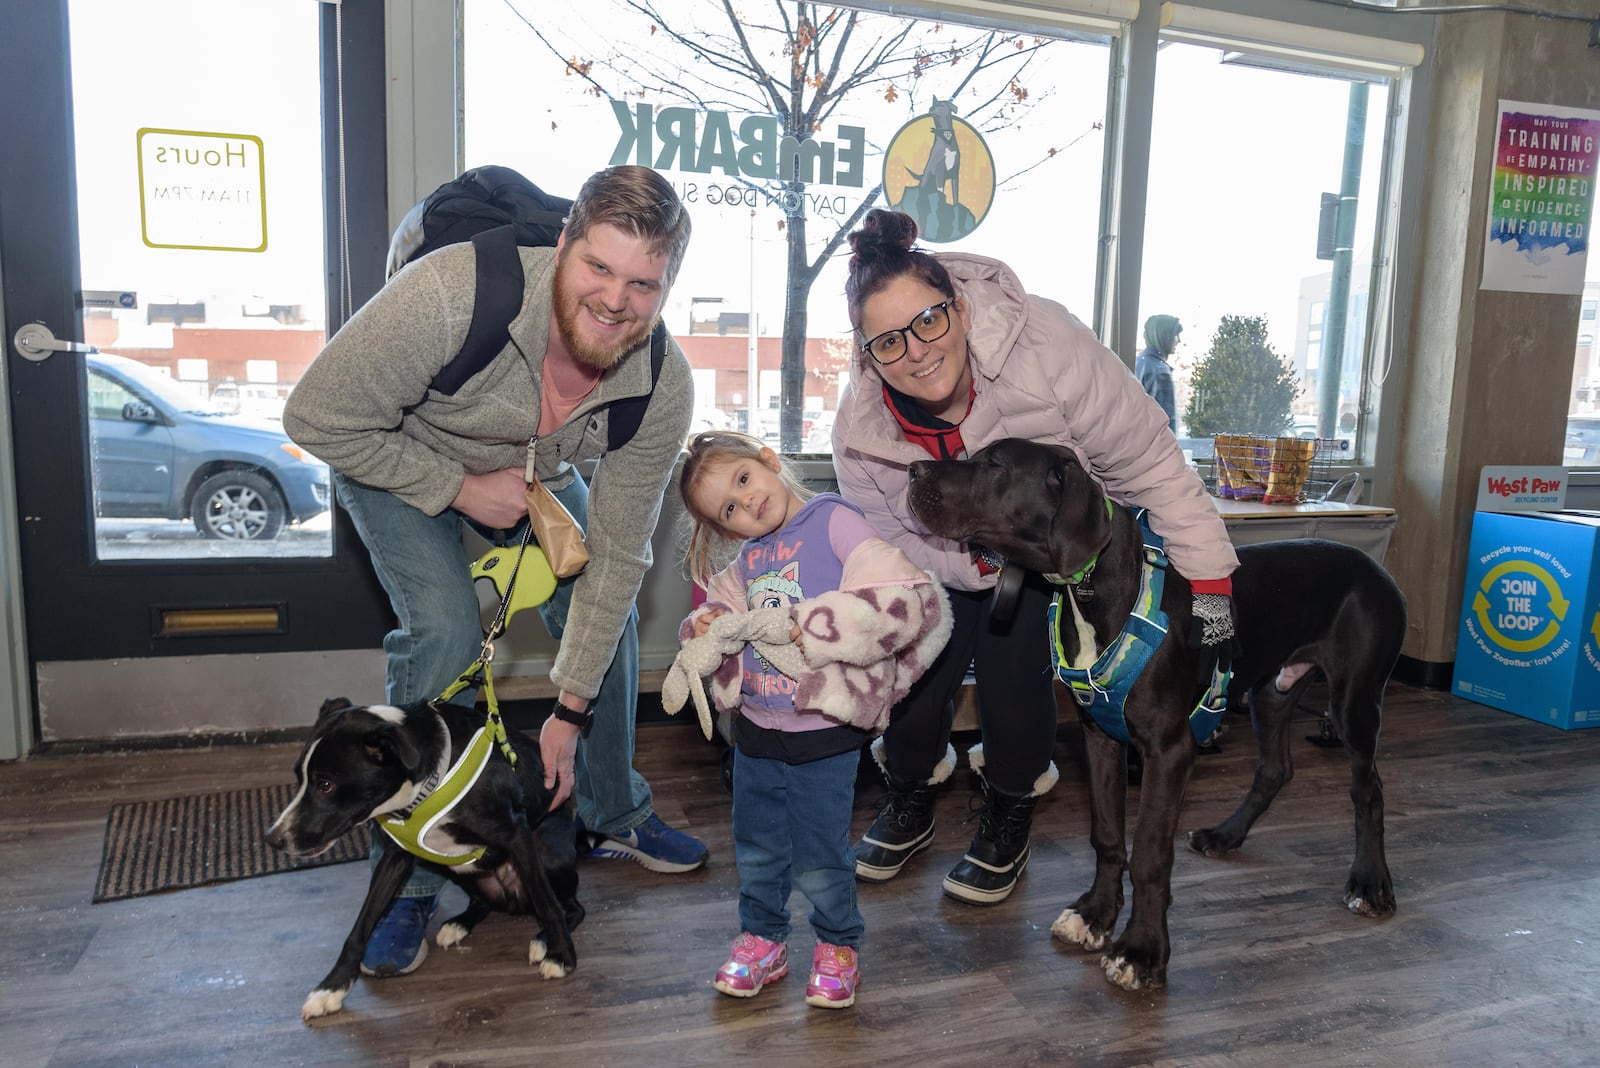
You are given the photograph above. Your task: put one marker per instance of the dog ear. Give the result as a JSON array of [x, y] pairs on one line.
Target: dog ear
[[330, 711], [391, 744], [1081, 527]]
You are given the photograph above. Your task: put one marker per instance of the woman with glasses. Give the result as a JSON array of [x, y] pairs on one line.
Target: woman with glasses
[[954, 354]]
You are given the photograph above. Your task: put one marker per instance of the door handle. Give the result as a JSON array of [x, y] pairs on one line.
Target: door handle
[[35, 342]]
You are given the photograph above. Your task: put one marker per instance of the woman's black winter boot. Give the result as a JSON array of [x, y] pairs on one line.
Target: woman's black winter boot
[[904, 826], [999, 851]]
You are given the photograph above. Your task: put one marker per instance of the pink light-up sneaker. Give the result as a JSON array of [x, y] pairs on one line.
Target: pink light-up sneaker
[[754, 963], [835, 974]]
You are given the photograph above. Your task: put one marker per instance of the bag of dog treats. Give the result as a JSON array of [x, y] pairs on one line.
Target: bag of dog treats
[[556, 531]]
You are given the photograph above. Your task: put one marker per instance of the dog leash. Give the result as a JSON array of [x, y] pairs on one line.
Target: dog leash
[[480, 668], [441, 792]]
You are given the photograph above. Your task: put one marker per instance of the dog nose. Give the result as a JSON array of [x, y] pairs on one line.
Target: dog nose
[[919, 469]]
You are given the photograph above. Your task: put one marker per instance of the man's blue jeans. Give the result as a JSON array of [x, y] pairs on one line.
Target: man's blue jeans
[[791, 827], [421, 564]]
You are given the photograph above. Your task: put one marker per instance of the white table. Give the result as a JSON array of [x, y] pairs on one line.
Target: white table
[[1365, 526]]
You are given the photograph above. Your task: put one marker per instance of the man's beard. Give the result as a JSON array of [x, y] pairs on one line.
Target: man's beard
[[567, 309]]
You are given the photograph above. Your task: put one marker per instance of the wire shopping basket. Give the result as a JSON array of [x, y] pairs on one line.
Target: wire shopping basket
[[1273, 470]]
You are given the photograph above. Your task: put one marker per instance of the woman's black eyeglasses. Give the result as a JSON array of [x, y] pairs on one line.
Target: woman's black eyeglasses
[[931, 324]]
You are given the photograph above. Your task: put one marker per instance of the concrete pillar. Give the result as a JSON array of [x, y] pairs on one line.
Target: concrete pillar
[[1487, 373]]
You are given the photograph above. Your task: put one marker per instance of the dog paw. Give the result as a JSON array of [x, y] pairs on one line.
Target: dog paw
[[1129, 973], [1374, 907], [1121, 972], [322, 1003], [1209, 843], [1073, 928], [450, 934], [1369, 896], [549, 967]]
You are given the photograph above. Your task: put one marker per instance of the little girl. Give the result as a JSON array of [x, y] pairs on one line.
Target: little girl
[[865, 622]]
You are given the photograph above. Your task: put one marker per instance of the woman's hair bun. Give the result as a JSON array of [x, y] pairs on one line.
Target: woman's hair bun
[[883, 233]]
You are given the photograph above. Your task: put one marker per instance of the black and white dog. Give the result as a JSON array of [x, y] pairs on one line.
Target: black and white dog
[[362, 763], [1299, 605]]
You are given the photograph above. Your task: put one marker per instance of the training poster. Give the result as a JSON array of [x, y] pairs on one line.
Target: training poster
[[1541, 211]]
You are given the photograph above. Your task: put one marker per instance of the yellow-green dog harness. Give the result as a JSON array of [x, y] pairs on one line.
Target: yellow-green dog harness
[[410, 827]]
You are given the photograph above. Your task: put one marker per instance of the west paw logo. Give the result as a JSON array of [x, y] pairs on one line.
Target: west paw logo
[[939, 171]]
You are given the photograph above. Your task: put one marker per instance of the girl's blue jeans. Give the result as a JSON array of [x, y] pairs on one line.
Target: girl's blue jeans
[[791, 827], [421, 565]]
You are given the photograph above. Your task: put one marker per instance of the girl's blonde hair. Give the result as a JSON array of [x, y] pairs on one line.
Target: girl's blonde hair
[[707, 541]]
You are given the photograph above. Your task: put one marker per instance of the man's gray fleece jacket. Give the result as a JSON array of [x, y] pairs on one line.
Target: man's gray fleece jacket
[[365, 408]]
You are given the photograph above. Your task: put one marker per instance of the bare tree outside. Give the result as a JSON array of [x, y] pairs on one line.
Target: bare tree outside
[[798, 62]]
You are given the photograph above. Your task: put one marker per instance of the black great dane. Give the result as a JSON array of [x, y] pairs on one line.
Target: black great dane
[[1300, 605]]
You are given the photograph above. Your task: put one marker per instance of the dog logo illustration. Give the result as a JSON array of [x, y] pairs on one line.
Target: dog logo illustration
[[939, 171]]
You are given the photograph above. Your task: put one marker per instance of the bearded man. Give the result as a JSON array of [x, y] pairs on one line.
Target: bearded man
[[413, 467]]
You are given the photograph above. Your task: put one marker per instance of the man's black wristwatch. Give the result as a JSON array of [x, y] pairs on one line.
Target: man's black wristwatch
[[583, 720]]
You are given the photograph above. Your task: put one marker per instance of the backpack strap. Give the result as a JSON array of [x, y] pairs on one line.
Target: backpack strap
[[626, 415], [496, 301]]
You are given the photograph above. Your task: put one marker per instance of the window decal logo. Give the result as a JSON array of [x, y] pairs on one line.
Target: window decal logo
[[939, 171]]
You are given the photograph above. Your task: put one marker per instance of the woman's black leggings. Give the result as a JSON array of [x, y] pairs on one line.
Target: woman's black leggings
[[1016, 694]]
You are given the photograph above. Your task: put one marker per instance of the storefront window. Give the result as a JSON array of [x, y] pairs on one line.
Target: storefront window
[[758, 307], [1583, 404], [1248, 166]]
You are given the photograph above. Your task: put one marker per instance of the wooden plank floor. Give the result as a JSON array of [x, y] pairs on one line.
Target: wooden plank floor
[[1492, 960]]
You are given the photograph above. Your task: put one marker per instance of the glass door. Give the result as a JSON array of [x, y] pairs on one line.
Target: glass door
[[200, 225], [174, 170]]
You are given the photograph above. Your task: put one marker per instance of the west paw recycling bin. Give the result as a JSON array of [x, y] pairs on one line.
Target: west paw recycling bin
[[1529, 641]]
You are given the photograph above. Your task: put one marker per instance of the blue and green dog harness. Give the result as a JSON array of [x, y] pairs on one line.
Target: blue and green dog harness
[[1102, 689]]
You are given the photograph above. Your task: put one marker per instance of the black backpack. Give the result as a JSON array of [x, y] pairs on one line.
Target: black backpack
[[498, 209]]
